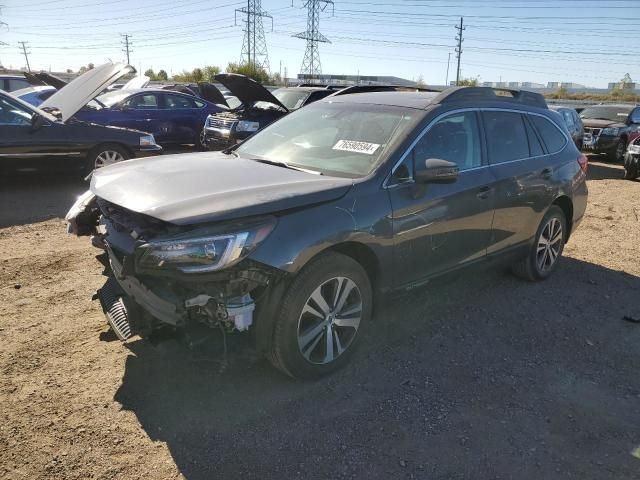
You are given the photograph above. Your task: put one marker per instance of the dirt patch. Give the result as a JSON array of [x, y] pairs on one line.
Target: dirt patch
[[483, 376]]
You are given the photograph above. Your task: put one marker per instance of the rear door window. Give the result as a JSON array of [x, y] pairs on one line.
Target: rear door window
[[506, 136], [177, 102], [535, 147], [550, 133]]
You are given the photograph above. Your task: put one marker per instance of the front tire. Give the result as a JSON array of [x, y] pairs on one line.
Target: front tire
[[631, 169], [621, 149], [321, 317], [545, 253], [105, 155]]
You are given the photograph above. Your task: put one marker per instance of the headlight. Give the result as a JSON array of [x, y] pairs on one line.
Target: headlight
[[147, 141], [613, 131], [246, 126], [633, 148], [202, 254]]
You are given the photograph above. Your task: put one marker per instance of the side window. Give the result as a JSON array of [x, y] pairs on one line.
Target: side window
[[506, 136], [142, 102], [403, 172], [199, 103], [455, 138], [178, 101], [550, 133], [17, 84], [11, 114], [535, 147]]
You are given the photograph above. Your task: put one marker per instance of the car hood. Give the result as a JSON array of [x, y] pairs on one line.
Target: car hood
[[247, 89], [140, 81], [76, 94], [202, 187], [210, 93], [591, 122]]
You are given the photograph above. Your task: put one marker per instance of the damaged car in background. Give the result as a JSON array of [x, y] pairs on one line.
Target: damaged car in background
[[293, 233], [51, 138]]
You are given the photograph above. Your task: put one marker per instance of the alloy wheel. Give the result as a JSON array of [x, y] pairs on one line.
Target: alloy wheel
[[549, 244], [108, 157], [621, 148], [203, 139], [329, 320]]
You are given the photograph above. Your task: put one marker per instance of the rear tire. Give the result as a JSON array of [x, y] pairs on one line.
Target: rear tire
[[321, 317], [545, 253]]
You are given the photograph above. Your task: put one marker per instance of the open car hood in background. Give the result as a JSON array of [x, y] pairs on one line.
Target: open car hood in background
[[210, 93], [80, 91], [247, 89], [140, 81]]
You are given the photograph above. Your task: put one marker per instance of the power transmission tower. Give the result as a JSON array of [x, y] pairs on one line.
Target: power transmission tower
[[459, 39], [254, 44], [127, 46], [311, 62], [26, 54]]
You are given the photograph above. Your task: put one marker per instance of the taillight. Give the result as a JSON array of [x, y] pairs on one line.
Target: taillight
[[584, 162]]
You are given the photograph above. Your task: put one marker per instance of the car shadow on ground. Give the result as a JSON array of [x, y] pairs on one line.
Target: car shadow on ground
[[34, 198], [601, 170], [484, 376]]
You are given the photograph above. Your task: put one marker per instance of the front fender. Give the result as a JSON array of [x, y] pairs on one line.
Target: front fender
[[302, 234]]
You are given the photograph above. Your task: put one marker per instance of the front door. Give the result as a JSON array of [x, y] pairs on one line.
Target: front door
[[437, 227], [25, 148], [142, 112]]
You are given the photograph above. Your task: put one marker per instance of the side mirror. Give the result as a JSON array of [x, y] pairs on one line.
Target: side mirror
[[437, 171], [36, 122], [634, 117]]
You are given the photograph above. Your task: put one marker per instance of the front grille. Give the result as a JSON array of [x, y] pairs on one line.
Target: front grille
[[221, 123], [138, 225]]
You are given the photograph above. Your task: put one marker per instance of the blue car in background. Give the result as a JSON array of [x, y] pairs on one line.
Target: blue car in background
[[35, 95], [172, 117]]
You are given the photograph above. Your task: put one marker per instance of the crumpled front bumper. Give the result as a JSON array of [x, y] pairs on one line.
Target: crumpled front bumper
[[160, 308]]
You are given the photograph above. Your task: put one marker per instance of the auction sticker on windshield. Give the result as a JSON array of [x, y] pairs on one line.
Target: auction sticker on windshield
[[356, 147]]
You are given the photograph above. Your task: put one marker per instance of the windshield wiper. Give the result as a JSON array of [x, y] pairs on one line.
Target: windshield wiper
[[285, 165]]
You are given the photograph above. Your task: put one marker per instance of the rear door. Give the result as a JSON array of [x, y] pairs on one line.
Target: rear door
[[439, 226], [523, 172], [182, 117]]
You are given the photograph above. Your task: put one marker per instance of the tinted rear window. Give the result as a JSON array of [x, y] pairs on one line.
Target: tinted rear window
[[535, 147], [551, 135], [506, 136]]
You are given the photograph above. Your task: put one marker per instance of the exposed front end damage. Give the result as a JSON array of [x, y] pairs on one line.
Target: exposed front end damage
[[137, 299]]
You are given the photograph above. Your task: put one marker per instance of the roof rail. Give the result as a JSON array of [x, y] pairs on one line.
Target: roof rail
[[462, 94]]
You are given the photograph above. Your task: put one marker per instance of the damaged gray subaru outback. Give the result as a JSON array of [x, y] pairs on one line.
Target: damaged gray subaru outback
[[293, 232]]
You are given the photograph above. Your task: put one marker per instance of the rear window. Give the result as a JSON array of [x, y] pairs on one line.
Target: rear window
[[550, 133], [506, 136]]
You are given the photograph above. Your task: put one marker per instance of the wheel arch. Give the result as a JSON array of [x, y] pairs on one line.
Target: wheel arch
[[566, 205]]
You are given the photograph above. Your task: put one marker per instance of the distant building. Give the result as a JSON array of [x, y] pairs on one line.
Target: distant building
[[622, 86], [346, 80]]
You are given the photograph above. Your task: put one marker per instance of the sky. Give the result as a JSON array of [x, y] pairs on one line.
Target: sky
[[582, 41]]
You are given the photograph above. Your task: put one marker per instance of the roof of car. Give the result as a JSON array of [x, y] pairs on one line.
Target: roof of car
[[419, 100], [9, 75], [457, 95], [305, 89]]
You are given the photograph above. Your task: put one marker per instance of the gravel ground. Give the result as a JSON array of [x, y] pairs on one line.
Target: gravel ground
[[480, 376]]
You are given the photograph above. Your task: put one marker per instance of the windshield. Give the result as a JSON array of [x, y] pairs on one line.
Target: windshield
[[292, 99], [343, 139], [613, 113]]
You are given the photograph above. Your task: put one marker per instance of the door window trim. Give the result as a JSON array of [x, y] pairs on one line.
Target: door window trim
[[485, 163]]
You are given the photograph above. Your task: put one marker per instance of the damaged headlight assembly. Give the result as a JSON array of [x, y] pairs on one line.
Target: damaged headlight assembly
[[202, 253]]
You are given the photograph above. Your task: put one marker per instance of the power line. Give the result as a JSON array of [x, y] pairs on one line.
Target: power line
[[26, 54], [127, 46], [254, 44], [311, 62]]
